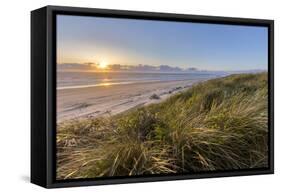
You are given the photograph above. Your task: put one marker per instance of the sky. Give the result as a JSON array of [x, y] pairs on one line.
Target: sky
[[85, 39]]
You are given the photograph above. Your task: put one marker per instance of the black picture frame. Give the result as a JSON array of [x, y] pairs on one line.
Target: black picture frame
[[43, 93]]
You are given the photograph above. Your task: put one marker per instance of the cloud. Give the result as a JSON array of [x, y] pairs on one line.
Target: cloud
[[118, 67], [77, 66]]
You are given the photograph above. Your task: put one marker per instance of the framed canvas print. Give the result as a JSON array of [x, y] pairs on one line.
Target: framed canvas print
[[125, 96]]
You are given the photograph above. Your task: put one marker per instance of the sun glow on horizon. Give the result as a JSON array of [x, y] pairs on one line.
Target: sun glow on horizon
[[103, 65]]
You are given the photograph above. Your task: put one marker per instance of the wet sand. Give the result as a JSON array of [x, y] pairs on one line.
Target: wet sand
[[113, 99]]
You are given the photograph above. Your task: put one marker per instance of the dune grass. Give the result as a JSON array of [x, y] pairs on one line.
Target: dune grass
[[220, 124]]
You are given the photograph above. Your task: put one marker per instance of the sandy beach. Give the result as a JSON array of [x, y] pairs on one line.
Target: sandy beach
[[113, 99]]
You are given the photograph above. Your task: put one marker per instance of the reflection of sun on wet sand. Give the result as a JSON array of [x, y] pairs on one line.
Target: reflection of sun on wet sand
[[112, 99]]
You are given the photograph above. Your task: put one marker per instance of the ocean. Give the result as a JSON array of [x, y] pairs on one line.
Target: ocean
[[71, 80]]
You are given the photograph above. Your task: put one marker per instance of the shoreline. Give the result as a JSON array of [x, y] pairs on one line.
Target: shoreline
[[111, 84], [107, 100]]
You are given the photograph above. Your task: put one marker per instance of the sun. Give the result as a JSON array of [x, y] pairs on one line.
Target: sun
[[103, 65]]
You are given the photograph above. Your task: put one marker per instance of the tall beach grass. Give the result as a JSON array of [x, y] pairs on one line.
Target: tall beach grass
[[220, 124]]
